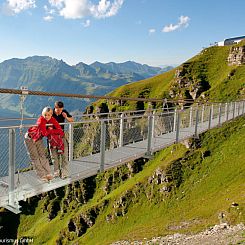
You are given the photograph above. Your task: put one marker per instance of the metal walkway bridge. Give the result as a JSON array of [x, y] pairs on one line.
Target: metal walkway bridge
[[100, 142]]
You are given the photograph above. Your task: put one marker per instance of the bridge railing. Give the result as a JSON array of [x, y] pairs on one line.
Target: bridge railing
[[120, 129], [100, 134]]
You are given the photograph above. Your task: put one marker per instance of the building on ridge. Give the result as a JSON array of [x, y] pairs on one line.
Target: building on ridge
[[230, 41]]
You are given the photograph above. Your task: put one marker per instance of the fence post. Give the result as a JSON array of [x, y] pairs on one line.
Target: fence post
[[102, 145], [121, 130], [70, 141], [226, 111], [220, 113], [196, 124], [238, 108], [177, 126], [234, 110], [243, 106], [175, 119], [210, 117], [150, 134], [153, 124], [203, 109], [190, 122], [12, 204]]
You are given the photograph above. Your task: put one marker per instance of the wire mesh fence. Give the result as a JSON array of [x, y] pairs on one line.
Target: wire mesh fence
[[163, 123], [4, 156], [86, 139], [134, 129]]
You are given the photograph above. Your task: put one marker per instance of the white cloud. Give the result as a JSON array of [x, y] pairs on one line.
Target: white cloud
[[74, 9], [49, 13], [86, 23], [77, 9], [151, 31], [48, 18], [183, 23], [56, 3], [69, 9], [17, 6]]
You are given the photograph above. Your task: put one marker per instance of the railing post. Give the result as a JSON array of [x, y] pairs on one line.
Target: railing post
[[226, 111], [196, 124], [203, 109], [153, 124], [234, 110], [243, 106], [121, 130], [210, 117], [70, 141], [102, 145], [191, 112], [220, 113], [12, 204], [177, 126], [150, 134], [238, 108], [175, 118]]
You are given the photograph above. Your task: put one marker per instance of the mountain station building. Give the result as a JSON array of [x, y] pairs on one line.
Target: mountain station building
[[230, 41]]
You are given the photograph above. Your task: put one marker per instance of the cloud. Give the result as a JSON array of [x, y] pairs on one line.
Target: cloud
[[69, 9], [17, 6], [49, 13], [48, 18], [86, 23], [73, 9], [105, 8], [151, 31], [183, 23], [77, 9]]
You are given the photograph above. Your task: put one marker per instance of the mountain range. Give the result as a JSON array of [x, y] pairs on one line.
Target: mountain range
[[43, 73]]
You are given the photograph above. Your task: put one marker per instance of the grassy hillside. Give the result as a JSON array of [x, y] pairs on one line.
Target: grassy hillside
[[208, 72], [180, 190]]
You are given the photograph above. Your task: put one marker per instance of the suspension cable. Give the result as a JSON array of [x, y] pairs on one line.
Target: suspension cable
[[83, 96]]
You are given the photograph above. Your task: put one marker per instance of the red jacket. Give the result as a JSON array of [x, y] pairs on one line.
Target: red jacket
[[41, 130]]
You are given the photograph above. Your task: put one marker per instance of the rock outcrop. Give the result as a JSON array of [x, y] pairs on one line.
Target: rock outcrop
[[236, 56], [187, 83]]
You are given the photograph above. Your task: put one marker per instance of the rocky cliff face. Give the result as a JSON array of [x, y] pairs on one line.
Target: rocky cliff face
[[188, 84], [236, 56]]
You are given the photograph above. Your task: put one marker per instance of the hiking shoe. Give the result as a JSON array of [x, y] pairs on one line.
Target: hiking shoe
[[56, 174], [44, 179], [49, 177], [64, 176]]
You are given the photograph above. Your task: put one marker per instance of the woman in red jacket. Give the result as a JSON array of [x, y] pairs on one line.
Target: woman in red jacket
[[46, 126]]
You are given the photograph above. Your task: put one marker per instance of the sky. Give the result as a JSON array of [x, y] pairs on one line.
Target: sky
[[153, 32]]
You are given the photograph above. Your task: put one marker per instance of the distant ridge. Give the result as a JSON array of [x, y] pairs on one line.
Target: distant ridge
[[44, 73]]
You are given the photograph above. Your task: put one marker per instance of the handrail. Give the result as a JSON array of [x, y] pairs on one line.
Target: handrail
[[108, 114]]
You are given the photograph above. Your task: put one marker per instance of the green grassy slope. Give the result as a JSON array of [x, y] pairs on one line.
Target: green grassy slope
[[180, 190], [225, 82]]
